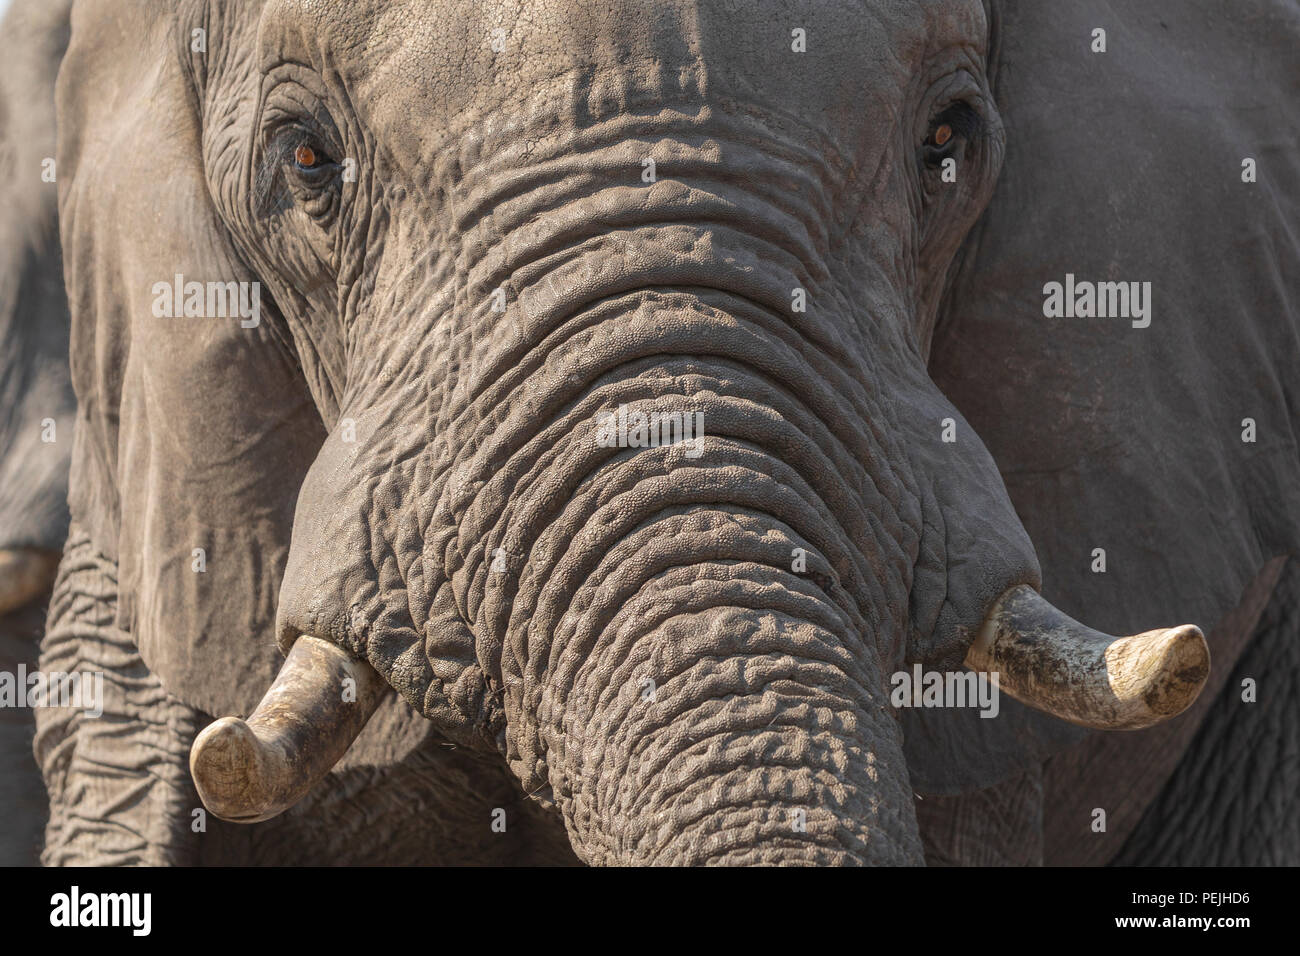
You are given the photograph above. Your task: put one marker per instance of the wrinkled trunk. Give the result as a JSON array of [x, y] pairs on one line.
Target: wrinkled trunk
[[727, 714], [693, 633]]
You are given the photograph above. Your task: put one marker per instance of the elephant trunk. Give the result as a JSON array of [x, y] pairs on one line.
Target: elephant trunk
[[692, 649], [728, 716]]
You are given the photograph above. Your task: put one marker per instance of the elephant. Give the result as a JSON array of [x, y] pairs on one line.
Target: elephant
[[549, 433], [36, 399]]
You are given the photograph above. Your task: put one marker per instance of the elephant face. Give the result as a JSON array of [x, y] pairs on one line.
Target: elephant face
[[617, 322], [620, 615]]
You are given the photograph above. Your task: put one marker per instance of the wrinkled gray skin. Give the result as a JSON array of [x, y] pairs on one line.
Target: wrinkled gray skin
[[35, 386], [353, 465]]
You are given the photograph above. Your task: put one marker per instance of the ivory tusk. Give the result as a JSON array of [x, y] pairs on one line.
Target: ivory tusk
[[1048, 660], [247, 771]]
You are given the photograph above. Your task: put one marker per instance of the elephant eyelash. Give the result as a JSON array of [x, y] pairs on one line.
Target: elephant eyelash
[[269, 192], [962, 117]]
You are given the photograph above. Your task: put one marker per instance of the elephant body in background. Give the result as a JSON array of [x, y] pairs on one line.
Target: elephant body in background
[[36, 400], [478, 238], [1170, 449]]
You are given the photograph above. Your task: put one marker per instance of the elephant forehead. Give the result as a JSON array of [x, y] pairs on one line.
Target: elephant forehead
[[425, 70]]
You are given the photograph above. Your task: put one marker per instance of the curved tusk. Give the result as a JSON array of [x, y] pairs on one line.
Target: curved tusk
[[25, 574], [250, 771], [1050, 661]]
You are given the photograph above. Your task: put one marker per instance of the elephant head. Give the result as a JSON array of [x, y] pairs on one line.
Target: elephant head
[[486, 251]]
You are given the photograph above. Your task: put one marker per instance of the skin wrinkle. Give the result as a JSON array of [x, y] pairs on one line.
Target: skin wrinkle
[[90, 822], [700, 500], [678, 673], [1037, 390], [557, 300], [549, 502], [571, 418], [836, 418], [481, 459], [612, 506], [581, 329], [684, 210], [626, 725], [497, 179], [474, 429], [658, 571]]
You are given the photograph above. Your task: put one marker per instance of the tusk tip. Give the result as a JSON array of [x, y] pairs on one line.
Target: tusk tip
[[1166, 668], [226, 763]]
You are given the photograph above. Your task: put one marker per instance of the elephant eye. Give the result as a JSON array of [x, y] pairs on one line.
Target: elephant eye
[[307, 158], [297, 168], [956, 124]]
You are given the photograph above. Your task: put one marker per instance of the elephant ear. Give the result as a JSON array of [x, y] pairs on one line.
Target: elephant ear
[[36, 402], [193, 433], [1171, 448]]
